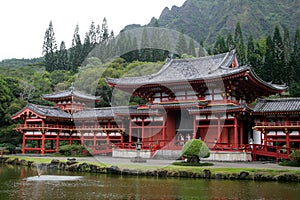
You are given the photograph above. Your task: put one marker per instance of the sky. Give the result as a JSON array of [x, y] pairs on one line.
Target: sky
[[23, 22]]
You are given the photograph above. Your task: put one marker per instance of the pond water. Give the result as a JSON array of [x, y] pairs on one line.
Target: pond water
[[23, 183]]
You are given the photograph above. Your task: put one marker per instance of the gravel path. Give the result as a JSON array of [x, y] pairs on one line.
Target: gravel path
[[163, 163]]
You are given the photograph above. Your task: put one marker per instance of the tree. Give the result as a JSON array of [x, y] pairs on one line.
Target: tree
[[62, 57], [288, 71], [76, 51], [181, 46], [50, 48], [104, 33], [267, 69], [220, 46], [239, 44], [92, 34], [295, 60], [192, 50], [229, 42], [278, 57], [195, 149], [145, 51]]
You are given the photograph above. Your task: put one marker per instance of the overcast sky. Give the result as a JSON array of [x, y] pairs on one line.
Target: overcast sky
[[23, 22]]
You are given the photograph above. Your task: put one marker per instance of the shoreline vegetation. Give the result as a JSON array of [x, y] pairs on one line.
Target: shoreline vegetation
[[201, 172]]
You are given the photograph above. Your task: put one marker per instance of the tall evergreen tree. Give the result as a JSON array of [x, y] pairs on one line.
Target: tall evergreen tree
[[145, 51], [296, 56], [92, 34], [104, 34], [181, 46], [87, 46], [250, 51], [288, 70], [278, 56], [76, 51], [267, 71], [295, 63], [229, 42], [239, 44], [50, 48], [220, 46], [62, 57], [192, 50]]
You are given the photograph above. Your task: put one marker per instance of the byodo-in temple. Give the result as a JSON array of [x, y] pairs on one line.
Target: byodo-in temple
[[211, 98]]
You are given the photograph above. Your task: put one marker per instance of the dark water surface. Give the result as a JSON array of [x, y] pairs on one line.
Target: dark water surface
[[22, 183]]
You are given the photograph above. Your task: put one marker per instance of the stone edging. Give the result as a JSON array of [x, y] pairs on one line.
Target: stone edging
[[73, 165]]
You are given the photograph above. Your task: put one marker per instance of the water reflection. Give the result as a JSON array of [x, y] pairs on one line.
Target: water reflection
[[94, 186]]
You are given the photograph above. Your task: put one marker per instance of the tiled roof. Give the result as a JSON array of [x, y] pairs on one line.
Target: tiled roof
[[69, 93], [277, 105], [133, 110], [186, 69], [47, 111], [219, 108], [94, 113], [195, 69]]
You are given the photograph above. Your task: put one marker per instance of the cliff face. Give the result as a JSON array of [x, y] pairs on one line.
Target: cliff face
[[203, 19]]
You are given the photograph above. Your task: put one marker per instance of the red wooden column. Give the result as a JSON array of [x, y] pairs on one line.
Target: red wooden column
[[235, 143], [287, 135], [130, 130], [57, 141], [195, 128], [23, 142], [241, 132], [164, 131], [43, 142], [219, 129], [95, 139], [143, 129]]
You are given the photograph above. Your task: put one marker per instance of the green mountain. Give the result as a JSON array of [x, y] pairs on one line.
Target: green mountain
[[205, 19]]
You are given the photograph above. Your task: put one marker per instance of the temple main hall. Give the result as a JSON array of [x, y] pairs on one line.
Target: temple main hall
[[211, 98]]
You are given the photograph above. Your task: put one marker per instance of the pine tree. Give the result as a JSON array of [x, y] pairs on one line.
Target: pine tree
[[145, 51], [296, 56], [288, 71], [76, 51], [278, 56], [267, 71], [104, 34], [50, 48], [239, 44], [229, 42], [192, 50], [181, 46], [92, 35], [62, 57], [87, 46], [220, 46]]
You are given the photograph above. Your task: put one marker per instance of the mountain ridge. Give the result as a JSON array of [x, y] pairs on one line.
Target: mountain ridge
[[204, 20]]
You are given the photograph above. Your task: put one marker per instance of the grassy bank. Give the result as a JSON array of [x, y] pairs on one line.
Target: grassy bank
[[208, 172]]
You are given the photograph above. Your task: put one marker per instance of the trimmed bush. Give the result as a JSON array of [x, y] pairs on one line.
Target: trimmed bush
[[195, 149]]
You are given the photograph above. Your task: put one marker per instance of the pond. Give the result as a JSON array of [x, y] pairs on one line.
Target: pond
[[23, 183]]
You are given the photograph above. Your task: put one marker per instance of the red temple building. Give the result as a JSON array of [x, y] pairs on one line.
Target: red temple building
[[207, 98]]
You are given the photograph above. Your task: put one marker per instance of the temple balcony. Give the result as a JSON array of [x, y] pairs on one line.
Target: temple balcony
[[56, 127], [283, 125]]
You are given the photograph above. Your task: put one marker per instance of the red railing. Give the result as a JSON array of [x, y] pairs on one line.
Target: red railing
[[284, 123], [277, 152], [65, 127]]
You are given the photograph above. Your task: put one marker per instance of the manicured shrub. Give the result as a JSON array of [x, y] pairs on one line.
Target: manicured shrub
[[193, 150]]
